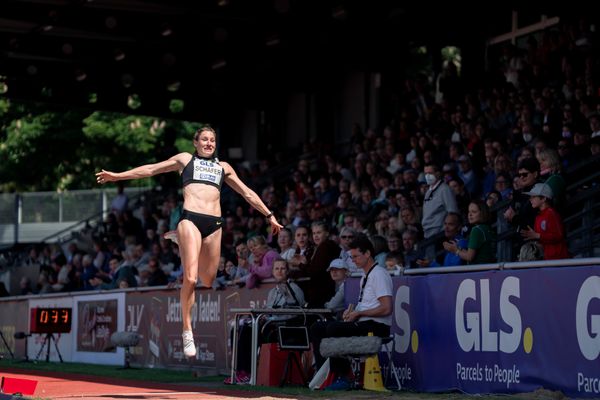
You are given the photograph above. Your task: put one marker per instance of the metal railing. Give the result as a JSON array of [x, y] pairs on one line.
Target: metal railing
[[39, 216]]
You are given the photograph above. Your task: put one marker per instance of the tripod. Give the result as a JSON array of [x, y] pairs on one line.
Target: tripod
[[6, 345], [49, 337], [292, 360]]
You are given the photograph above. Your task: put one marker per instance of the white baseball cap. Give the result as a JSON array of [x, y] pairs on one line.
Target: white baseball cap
[[540, 189], [338, 263]]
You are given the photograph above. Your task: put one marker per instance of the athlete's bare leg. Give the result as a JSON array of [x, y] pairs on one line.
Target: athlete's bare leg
[[208, 262], [190, 245]]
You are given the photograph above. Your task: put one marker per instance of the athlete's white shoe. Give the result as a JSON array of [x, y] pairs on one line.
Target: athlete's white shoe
[[172, 235], [189, 348]]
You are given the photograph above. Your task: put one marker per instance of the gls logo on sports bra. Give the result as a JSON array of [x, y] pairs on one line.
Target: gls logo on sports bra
[[588, 336], [474, 333]]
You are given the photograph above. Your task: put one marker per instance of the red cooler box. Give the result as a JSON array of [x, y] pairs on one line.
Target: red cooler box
[[271, 363]]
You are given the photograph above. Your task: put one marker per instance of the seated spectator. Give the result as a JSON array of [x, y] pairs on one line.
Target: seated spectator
[[120, 202], [304, 250], [221, 278], [262, 265], [409, 249], [285, 242], [88, 271], [372, 314], [381, 249], [243, 265], [492, 198], [452, 234], [155, 275], [63, 273], [394, 240], [394, 262], [409, 218], [339, 271], [346, 236], [25, 286], [481, 248], [118, 271], [548, 228], [284, 295], [467, 174], [503, 185], [463, 198]]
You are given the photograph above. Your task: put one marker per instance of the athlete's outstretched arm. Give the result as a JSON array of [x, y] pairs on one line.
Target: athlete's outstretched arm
[[249, 195], [174, 163]]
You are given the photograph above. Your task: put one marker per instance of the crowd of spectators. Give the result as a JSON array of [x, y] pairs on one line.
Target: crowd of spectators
[[426, 189]]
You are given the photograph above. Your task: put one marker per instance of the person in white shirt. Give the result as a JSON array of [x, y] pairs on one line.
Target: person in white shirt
[[372, 314]]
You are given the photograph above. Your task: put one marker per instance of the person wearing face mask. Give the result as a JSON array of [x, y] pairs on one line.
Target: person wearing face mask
[[439, 200], [527, 133]]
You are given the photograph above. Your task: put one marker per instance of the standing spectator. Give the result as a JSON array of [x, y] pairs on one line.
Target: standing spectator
[[550, 174], [439, 200], [548, 228], [320, 288], [520, 213]]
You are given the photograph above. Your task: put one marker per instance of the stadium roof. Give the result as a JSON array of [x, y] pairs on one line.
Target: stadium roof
[[215, 55]]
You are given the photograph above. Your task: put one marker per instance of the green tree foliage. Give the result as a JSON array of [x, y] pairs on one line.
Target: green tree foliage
[[50, 149], [36, 146]]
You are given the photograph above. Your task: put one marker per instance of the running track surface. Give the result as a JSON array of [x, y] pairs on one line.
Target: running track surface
[[73, 386]]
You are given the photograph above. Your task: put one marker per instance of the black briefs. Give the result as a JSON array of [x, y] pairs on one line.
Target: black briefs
[[206, 224]]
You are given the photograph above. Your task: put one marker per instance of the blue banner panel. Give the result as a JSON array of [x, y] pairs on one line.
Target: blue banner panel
[[498, 331]]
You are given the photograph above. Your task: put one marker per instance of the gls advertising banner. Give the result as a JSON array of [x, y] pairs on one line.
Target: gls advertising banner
[[498, 331]]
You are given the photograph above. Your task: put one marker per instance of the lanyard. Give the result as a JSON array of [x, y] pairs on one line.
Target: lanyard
[[365, 283]]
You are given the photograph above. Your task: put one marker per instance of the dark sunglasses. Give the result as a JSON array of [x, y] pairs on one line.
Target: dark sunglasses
[[347, 237], [523, 174]]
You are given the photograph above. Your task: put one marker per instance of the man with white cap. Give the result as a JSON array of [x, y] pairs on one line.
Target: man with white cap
[[548, 228], [339, 271]]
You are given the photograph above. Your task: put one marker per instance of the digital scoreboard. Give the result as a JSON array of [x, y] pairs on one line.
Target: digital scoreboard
[[51, 320]]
